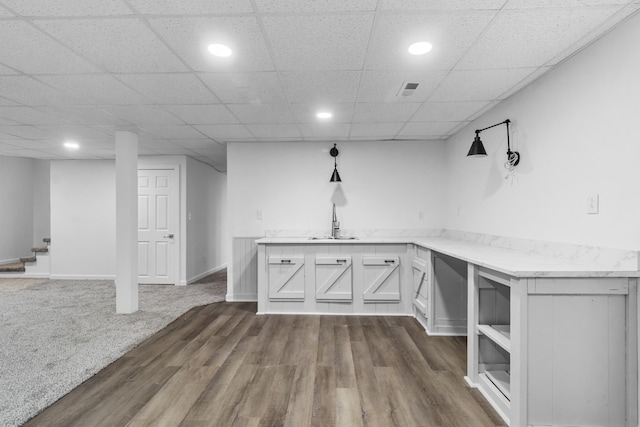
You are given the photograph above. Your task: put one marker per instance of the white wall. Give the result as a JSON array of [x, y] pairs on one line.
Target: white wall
[[16, 207], [206, 219], [41, 201], [386, 185], [577, 130], [83, 218]]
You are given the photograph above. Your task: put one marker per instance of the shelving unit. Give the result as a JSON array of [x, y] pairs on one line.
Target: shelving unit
[[489, 363]]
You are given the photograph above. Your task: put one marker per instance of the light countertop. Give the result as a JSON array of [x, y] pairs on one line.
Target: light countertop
[[509, 261]]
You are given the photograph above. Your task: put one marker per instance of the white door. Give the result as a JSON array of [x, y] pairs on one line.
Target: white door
[[157, 225]]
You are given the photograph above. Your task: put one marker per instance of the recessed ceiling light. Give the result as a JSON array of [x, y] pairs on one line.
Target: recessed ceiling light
[[420, 48], [71, 145], [324, 115], [219, 50]]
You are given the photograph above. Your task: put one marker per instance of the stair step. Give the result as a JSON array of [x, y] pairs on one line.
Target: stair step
[[43, 249], [47, 240], [16, 267], [28, 259]]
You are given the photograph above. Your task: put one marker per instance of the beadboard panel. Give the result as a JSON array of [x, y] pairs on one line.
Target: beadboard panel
[[245, 270]]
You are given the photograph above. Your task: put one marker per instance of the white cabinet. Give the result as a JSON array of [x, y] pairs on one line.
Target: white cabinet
[[286, 277], [381, 277], [554, 351], [333, 276], [420, 270]]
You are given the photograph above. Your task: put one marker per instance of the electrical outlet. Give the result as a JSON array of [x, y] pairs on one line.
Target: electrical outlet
[[593, 203], [259, 214]]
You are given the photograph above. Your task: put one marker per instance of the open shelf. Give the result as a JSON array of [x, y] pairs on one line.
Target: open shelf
[[499, 334], [502, 380]]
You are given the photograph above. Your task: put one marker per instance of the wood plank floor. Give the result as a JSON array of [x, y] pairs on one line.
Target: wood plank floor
[[222, 365]]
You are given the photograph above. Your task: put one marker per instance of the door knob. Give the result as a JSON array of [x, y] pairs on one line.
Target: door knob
[[168, 236]]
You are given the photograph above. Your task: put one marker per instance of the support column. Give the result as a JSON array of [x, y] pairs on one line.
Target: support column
[[126, 222]]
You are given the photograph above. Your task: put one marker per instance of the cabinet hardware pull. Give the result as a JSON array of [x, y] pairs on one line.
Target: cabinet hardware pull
[[285, 261], [389, 260], [341, 260]]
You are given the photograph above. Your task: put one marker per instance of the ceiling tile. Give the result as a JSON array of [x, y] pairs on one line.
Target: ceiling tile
[[263, 113], [143, 114], [68, 7], [325, 130], [29, 116], [481, 85], [309, 87], [297, 6], [306, 113], [275, 131], [387, 86], [534, 4], [427, 128], [377, 130], [447, 111], [172, 131], [191, 7], [33, 154], [442, 4], [6, 71], [26, 90], [203, 114], [192, 144], [28, 132], [87, 115], [225, 131], [545, 33], [100, 89], [71, 132], [4, 12], [116, 45], [246, 88], [189, 37], [376, 113], [171, 88], [323, 42], [450, 33], [36, 53], [7, 122]]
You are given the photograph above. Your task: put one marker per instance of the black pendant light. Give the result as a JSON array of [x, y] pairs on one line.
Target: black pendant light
[[477, 149], [335, 177]]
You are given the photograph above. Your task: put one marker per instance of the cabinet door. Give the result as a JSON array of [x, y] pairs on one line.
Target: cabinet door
[[286, 277], [381, 277], [333, 278], [420, 286]]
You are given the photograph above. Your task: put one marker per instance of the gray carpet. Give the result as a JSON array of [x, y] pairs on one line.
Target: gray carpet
[[55, 335]]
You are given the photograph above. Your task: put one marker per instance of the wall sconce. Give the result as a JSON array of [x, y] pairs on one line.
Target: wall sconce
[[477, 149], [335, 177]]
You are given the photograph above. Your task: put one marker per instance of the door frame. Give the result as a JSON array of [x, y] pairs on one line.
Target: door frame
[[178, 233]]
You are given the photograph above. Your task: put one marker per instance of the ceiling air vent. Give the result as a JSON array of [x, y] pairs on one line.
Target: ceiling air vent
[[408, 89]]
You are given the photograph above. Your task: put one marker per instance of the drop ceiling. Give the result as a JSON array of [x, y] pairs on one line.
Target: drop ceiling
[[83, 69]]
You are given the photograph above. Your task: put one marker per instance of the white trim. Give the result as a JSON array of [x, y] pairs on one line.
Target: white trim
[[241, 298], [206, 273], [82, 277], [322, 313]]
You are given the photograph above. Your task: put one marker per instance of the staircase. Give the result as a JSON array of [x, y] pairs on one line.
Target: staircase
[[36, 265]]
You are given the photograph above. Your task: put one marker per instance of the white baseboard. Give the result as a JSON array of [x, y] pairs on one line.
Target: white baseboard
[[82, 277], [205, 274], [241, 298]]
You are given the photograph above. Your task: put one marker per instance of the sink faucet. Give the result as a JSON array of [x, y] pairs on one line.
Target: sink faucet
[[335, 224]]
